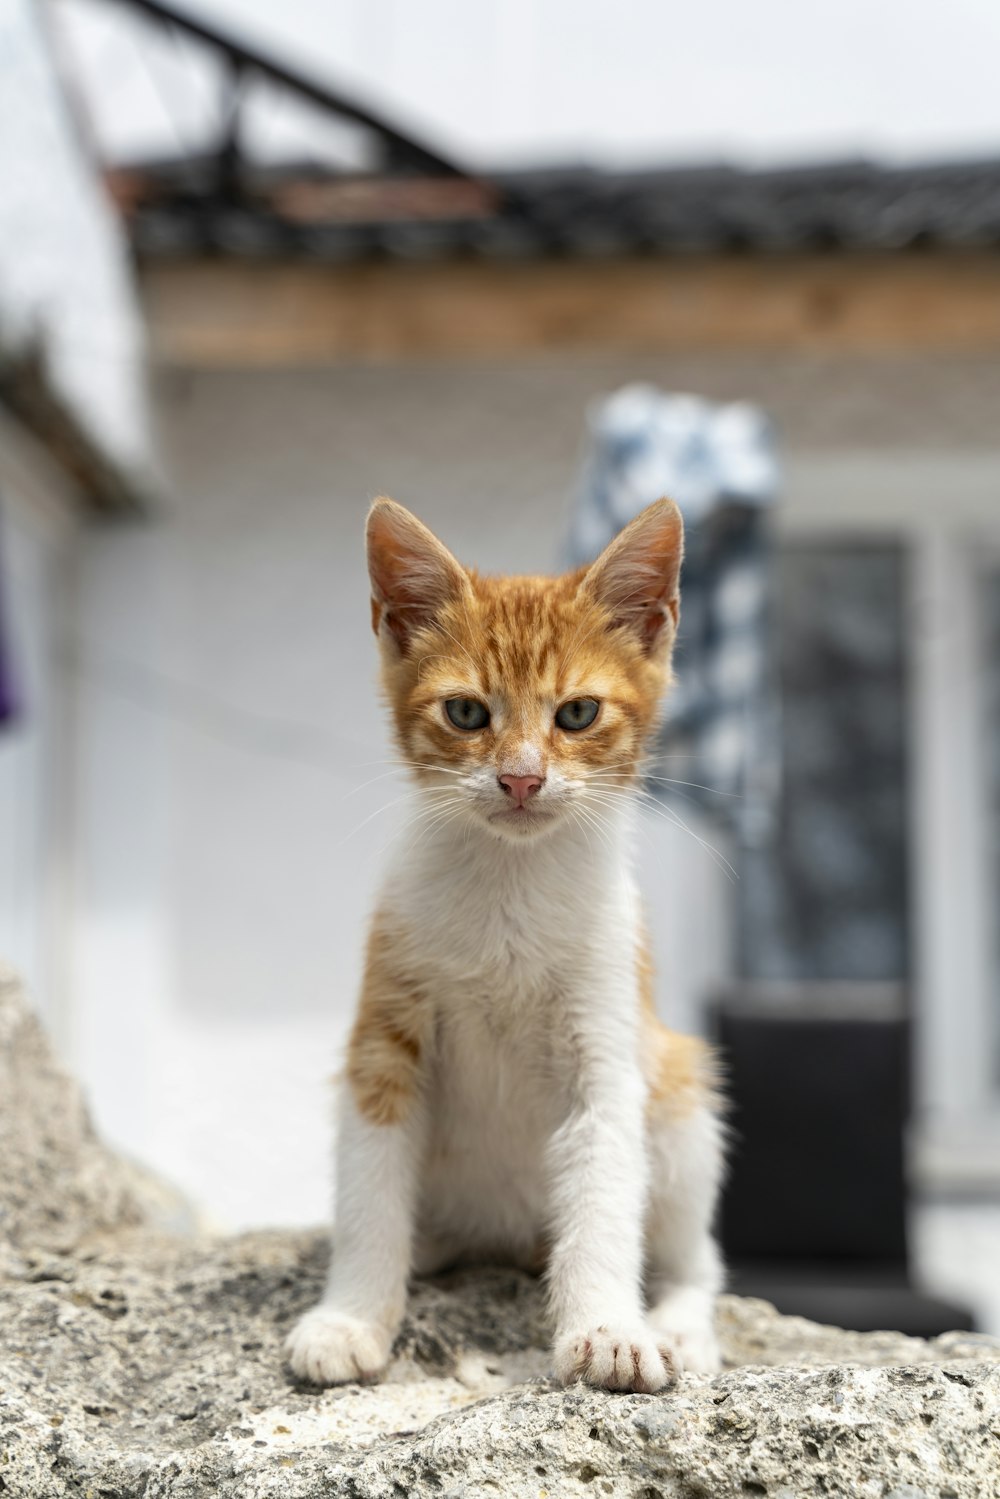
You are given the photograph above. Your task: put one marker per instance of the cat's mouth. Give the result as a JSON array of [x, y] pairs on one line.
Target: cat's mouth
[[522, 820]]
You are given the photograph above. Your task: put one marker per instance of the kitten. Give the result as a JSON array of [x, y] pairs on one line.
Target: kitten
[[509, 1091]]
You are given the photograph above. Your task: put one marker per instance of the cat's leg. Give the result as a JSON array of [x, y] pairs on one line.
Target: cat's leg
[[349, 1334], [683, 1263], [380, 1152], [435, 1253], [598, 1184]]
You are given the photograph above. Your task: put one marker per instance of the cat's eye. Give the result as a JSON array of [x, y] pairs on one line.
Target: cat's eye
[[578, 713], [467, 713]]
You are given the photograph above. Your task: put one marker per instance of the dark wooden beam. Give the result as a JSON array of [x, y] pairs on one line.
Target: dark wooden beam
[[403, 146]]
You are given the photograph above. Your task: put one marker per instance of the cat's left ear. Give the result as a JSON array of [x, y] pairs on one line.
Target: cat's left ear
[[412, 574], [637, 577]]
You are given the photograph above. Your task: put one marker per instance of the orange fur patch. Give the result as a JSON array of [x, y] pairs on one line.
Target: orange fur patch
[[681, 1071], [525, 646], [390, 1034], [683, 1075]]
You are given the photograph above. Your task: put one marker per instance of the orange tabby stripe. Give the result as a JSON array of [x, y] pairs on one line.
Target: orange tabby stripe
[[529, 641], [390, 1034]]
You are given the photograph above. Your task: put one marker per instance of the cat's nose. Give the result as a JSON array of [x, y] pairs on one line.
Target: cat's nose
[[520, 787]]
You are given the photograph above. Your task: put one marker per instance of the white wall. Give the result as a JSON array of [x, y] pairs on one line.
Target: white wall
[[37, 542], [64, 272]]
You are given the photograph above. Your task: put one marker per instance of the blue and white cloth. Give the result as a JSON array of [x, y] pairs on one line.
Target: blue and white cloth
[[719, 463]]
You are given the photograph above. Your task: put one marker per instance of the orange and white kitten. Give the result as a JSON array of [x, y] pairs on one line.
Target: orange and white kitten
[[509, 1091]]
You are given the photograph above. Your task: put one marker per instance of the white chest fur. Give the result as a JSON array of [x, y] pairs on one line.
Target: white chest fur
[[478, 909], [519, 948]]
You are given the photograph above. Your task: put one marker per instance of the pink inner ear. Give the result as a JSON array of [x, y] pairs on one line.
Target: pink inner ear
[[399, 600], [647, 618], [412, 574], [637, 577]]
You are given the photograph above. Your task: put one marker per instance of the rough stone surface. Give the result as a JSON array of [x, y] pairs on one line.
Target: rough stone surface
[[59, 1184], [133, 1362]]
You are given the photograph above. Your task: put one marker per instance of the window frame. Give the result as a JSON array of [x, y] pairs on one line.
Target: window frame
[[944, 508], [957, 1127]]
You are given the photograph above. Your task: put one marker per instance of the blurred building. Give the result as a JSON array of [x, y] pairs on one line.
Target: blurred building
[[74, 452], [336, 310]]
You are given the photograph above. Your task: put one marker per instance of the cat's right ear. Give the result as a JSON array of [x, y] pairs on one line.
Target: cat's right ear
[[412, 575], [637, 577]]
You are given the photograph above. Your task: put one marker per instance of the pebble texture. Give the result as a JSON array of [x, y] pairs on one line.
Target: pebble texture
[[138, 1363]]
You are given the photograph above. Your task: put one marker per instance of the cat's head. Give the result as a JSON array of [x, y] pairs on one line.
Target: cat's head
[[522, 702]]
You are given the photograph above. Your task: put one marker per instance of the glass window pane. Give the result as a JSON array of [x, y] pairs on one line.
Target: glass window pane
[[826, 898]]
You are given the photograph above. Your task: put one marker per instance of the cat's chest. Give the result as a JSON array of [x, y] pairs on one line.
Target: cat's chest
[[482, 927]]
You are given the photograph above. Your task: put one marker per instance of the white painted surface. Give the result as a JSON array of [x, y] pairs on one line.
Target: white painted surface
[[956, 1252], [954, 901], [64, 273], [37, 541], [121, 958]]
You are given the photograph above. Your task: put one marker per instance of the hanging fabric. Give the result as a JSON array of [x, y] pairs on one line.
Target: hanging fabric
[[720, 465]]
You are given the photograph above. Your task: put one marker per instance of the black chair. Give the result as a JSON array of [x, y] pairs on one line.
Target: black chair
[[814, 1212]]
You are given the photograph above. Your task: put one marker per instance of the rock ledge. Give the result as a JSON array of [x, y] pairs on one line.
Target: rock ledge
[[136, 1363]]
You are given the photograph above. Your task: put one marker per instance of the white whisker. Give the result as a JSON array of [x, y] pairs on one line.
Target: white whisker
[[670, 815]]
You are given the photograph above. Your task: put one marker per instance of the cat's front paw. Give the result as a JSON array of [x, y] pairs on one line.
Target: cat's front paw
[[615, 1358], [329, 1347], [694, 1350], [684, 1320]]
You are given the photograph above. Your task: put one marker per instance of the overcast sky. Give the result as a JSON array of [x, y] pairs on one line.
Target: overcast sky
[[499, 81]]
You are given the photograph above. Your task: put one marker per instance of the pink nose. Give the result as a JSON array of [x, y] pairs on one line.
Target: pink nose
[[520, 787]]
